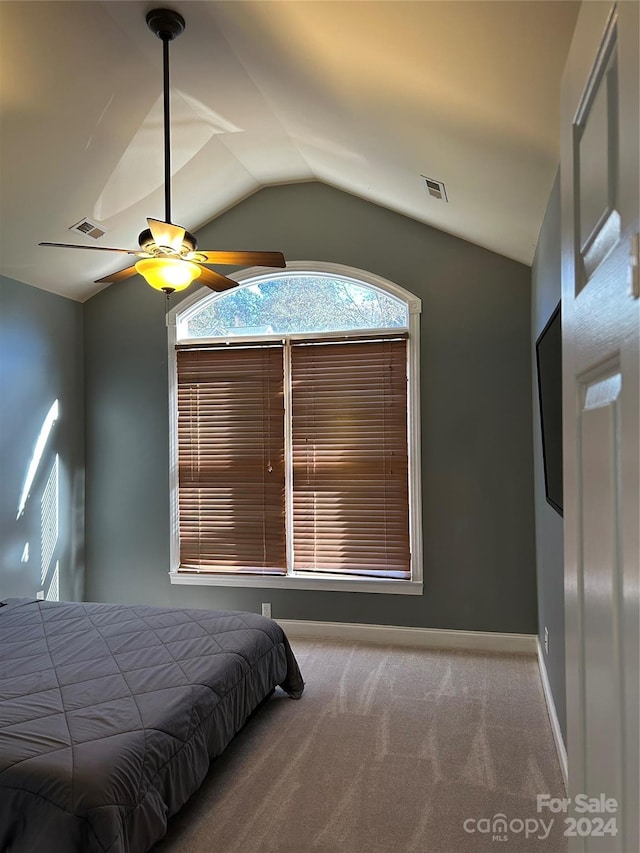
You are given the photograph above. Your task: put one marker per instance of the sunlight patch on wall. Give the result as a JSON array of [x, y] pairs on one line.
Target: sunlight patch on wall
[[49, 519], [36, 456], [53, 593]]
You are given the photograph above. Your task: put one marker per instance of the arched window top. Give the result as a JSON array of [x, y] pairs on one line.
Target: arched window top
[[296, 301]]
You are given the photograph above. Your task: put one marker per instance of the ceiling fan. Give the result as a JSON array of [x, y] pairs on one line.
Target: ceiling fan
[[169, 255]]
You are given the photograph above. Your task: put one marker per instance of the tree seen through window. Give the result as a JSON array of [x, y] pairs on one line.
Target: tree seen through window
[[296, 304]]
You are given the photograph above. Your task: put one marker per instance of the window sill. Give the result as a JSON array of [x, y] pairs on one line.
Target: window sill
[[328, 584]]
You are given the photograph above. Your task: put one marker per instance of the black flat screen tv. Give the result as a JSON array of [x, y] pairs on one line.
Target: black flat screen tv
[[549, 364]]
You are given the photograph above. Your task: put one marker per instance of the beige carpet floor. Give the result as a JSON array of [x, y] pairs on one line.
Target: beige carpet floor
[[389, 751]]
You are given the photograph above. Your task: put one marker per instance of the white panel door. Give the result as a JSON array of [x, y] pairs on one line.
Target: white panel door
[[600, 327]]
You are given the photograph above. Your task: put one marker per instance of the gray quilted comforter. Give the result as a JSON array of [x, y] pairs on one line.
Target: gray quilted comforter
[[110, 714]]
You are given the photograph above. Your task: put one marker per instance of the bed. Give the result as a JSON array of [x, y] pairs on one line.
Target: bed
[[110, 715]]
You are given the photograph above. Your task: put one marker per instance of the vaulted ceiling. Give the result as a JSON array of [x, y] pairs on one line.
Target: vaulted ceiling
[[365, 96]]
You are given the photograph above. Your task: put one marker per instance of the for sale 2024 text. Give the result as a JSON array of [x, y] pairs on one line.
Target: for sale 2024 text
[[592, 816]]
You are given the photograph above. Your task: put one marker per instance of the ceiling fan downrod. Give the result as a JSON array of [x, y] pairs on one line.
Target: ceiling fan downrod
[[169, 259], [166, 25]]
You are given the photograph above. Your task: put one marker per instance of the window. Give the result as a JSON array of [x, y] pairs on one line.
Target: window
[[294, 444]]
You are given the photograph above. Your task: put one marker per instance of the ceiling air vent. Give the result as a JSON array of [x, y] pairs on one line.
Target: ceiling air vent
[[435, 188], [85, 226]]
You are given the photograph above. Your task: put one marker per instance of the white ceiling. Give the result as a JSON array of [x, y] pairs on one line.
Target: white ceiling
[[365, 96]]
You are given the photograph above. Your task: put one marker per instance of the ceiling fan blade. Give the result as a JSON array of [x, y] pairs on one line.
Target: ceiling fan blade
[[167, 235], [245, 259], [117, 276], [93, 248], [215, 280]]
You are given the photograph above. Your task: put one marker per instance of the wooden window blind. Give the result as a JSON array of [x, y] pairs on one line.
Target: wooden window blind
[[231, 459], [350, 464]]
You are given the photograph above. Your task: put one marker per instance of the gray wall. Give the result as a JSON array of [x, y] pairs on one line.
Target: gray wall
[[40, 362], [545, 295], [479, 561]]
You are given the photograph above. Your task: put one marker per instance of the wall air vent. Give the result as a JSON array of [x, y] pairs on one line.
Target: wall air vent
[[436, 189], [85, 226]]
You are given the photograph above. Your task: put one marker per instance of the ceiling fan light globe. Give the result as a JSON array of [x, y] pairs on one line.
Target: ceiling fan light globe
[[168, 274]]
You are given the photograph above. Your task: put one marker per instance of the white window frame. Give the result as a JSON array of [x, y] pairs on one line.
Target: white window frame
[[338, 583]]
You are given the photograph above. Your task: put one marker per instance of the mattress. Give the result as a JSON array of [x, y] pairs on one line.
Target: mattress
[[110, 715]]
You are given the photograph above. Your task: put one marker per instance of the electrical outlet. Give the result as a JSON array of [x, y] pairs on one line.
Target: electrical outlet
[[266, 609], [546, 639], [40, 594]]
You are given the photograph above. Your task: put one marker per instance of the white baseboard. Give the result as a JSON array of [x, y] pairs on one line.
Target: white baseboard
[[553, 717], [393, 635]]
